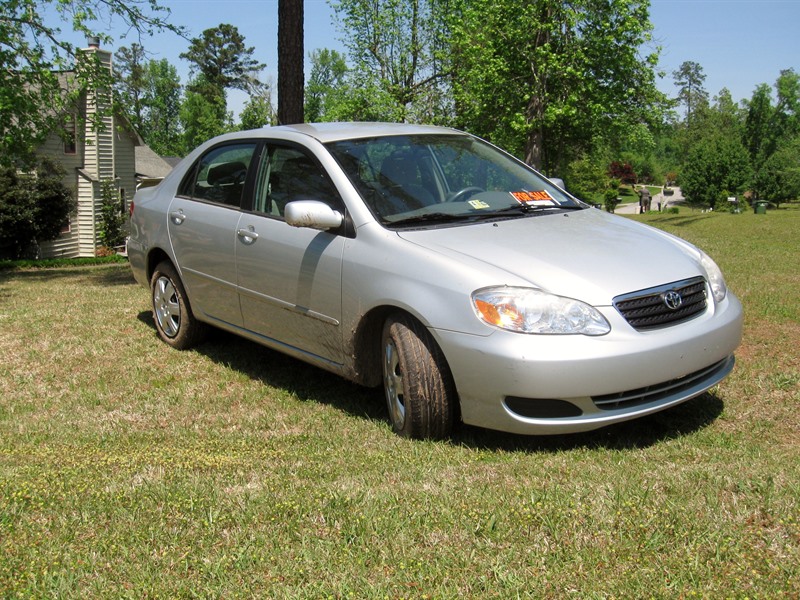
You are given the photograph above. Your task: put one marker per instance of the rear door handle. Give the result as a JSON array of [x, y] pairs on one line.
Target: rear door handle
[[177, 216]]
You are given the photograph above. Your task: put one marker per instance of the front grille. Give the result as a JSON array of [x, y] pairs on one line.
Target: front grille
[[648, 309], [704, 378]]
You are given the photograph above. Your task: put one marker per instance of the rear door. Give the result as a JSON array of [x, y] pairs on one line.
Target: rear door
[[290, 279], [203, 220]]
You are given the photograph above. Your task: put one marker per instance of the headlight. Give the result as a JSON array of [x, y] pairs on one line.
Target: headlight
[[526, 310], [715, 279]]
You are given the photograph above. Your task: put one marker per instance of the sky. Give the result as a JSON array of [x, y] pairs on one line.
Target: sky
[[738, 43]]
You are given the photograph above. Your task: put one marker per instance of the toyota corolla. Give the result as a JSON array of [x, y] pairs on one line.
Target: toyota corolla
[[430, 262]]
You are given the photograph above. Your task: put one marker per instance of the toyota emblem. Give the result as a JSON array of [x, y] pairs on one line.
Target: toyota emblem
[[673, 300]]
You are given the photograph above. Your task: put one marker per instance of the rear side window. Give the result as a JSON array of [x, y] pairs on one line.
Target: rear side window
[[219, 175]]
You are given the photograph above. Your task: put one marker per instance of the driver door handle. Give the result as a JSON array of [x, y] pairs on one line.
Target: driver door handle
[[248, 236]]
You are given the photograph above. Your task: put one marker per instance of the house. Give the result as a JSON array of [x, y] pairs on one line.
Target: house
[[91, 156]]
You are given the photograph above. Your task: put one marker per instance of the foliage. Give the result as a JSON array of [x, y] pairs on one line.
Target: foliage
[[258, 112], [778, 179], [689, 78], [130, 82], [549, 79], [716, 165], [60, 263], [622, 171], [221, 60], [327, 87], [33, 207], [586, 178], [203, 116], [149, 92], [112, 218], [395, 47], [161, 124], [37, 95]]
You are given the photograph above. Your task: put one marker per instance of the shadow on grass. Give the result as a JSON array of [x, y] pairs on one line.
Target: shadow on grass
[[681, 221], [311, 384], [103, 275], [275, 369]]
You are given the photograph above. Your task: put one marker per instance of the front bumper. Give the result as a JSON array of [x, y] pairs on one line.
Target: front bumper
[[582, 383]]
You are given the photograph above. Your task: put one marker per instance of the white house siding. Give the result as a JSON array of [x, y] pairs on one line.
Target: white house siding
[[101, 155], [67, 244]]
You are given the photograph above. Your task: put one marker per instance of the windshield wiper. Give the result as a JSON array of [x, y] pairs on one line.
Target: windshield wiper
[[435, 217], [536, 207]]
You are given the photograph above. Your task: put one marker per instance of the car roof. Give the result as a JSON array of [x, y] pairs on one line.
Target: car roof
[[332, 132]]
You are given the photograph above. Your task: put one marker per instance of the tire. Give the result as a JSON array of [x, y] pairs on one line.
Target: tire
[[419, 389], [175, 322]]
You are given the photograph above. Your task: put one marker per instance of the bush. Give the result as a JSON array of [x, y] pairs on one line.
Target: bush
[[34, 206], [112, 218]]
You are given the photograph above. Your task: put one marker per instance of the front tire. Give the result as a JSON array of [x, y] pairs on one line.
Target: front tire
[[419, 389], [175, 322]]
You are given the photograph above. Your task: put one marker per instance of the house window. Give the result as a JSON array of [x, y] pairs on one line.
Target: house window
[[70, 136], [66, 227]]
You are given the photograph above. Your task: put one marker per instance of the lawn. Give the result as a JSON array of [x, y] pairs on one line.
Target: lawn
[[131, 470]]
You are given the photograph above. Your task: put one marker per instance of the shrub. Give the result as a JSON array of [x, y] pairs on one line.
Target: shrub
[[34, 206], [112, 219]]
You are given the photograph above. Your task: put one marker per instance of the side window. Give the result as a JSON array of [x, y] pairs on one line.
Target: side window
[[219, 175], [288, 174]]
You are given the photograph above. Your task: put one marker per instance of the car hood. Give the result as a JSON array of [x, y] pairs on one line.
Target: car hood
[[588, 255]]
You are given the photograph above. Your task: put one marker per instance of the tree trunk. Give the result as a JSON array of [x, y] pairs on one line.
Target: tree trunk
[[290, 61]]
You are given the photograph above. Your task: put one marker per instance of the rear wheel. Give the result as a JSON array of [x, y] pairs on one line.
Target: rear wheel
[[419, 388], [174, 319]]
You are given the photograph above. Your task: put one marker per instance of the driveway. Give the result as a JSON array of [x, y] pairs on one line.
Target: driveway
[[632, 208]]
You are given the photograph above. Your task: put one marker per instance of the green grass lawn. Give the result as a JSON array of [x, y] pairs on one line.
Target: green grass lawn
[[131, 470]]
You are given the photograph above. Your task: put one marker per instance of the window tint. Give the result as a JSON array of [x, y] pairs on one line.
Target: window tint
[[219, 175], [288, 174]]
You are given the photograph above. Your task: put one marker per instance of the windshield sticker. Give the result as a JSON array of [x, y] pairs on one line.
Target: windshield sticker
[[479, 204], [539, 197]]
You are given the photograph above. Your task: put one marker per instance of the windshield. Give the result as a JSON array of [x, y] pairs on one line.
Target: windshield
[[443, 178]]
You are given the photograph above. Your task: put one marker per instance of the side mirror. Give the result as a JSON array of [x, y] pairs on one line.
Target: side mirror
[[312, 214], [558, 181]]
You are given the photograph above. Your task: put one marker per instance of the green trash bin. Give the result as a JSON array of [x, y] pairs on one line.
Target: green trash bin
[[760, 208]]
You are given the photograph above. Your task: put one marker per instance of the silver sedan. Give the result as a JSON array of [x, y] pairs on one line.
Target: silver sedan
[[427, 260]]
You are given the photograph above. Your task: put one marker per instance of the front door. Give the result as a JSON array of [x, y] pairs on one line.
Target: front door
[[290, 279]]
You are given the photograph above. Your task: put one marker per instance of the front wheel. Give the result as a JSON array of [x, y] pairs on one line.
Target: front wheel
[[174, 319], [419, 388]]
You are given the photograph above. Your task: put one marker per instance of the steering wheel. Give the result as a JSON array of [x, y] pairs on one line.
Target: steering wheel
[[465, 193]]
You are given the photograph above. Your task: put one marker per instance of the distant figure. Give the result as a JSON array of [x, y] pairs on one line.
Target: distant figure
[[644, 199]]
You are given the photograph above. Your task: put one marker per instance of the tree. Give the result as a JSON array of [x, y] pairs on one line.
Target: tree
[[33, 208], [778, 179], [395, 46], [161, 122], [290, 61], [689, 78], [203, 116], [221, 60], [130, 82], [552, 80], [257, 112], [717, 166], [759, 131], [34, 99], [327, 86]]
